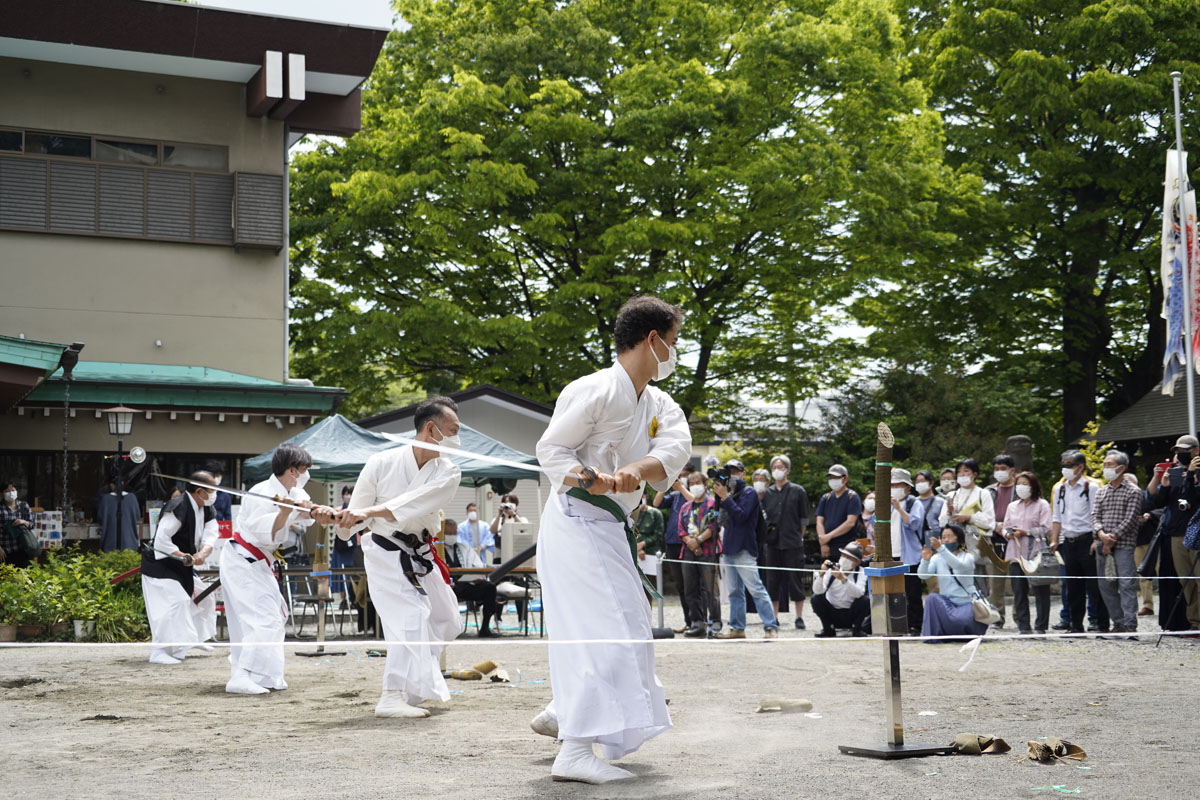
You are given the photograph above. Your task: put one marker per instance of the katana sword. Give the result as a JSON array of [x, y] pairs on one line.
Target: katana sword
[[454, 451], [238, 492]]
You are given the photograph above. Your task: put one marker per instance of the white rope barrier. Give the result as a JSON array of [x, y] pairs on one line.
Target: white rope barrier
[[959, 574]]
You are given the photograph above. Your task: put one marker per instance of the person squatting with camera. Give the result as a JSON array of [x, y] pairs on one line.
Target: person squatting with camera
[[840, 594]]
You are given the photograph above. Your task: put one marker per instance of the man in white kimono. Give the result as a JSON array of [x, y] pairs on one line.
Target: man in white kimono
[[399, 496], [186, 533], [610, 434], [253, 603]]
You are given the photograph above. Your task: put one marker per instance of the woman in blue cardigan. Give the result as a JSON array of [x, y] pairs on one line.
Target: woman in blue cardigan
[[949, 611]]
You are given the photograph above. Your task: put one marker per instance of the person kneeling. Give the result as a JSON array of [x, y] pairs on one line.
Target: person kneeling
[[460, 554], [840, 594], [948, 612]]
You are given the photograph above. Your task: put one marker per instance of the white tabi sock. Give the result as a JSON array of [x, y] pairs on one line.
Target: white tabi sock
[[393, 704], [577, 762], [163, 657], [242, 683], [545, 723]]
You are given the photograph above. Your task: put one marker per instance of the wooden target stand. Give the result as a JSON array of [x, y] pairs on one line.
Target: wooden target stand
[[889, 617], [321, 571]]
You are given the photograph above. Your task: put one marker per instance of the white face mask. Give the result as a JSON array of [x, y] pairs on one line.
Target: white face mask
[[869, 505], [760, 486], [778, 474], [697, 490], [473, 515], [212, 498], [1024, 491], [922, 487], [665, 368], [10, 496], [1001, 475], [1068, 472], [899, 493], [452, 539], [835, 483], [846, 564], [301, 479], [947, 486], [965, 480], [448, 441], [1110, 474]]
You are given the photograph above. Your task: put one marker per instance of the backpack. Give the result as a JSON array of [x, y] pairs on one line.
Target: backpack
[[860, 525]]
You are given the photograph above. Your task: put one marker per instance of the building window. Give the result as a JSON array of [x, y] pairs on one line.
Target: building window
[[127, 152], [56, 144], [194, 156], [10, 141]]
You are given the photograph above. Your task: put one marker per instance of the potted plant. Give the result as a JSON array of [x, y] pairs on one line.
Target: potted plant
[[10, 600]]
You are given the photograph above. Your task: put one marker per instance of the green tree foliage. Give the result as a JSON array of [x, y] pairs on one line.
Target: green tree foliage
[[1063, 108], [527, 165]]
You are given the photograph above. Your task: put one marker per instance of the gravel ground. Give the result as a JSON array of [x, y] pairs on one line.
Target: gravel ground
[[101, 722]]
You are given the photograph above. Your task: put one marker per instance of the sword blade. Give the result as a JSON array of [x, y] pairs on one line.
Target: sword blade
[[231, 490], [454, 451]]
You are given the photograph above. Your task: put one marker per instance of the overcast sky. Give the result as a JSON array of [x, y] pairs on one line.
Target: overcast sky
[[371, 13]]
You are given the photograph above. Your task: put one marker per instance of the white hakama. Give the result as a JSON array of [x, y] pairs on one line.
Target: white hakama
[[591, 590], [174, 619], [254, 606], [414, 496], [407, 616], [604, 692], [256, 614]]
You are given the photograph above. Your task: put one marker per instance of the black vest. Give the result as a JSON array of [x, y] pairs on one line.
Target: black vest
[[184, 541]]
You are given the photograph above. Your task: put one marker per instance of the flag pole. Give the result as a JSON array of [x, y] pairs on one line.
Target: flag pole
[[1187, 267]]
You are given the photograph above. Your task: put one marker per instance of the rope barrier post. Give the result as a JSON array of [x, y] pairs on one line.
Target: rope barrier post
[[889, 614]]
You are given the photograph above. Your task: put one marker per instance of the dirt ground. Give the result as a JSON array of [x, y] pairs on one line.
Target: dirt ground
[[102, 722]]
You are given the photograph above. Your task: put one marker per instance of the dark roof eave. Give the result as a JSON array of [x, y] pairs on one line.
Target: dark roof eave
[[460, 396]]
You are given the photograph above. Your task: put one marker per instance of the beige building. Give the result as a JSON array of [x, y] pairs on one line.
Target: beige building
[[143, 214]]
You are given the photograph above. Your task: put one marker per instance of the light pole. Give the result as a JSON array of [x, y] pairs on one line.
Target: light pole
[[120, 423]]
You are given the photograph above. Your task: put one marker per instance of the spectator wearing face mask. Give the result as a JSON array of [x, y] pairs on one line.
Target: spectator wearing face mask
[[1026, 527], [468, 588], [946, 483], [1179, 494], [650, 528], [869, 517], [1004, 476], [838, 511], [343, 557], [1072, 499], [785, 505], [971, 507], [700, 551], [918, 521], [1115, 523], [15, 513], [476, 534], [840, 594], [948, 611]]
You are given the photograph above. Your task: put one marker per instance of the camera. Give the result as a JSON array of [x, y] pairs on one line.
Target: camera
[[508, 506], [719, 474]]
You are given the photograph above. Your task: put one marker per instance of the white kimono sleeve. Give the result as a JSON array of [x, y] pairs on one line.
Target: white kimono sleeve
[[672, 443], [572, 423], [208, 538], [168, 526]]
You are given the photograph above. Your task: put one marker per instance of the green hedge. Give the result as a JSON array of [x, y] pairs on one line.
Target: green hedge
[[71, 585]]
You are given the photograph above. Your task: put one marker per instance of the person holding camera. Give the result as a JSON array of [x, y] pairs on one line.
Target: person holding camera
[[740, 508], [785, 505], [1176, 487], [840, 594], [507, 512], [948, 611], [670, 503]]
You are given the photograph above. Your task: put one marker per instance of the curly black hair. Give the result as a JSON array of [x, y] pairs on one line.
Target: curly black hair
[[639, 316]]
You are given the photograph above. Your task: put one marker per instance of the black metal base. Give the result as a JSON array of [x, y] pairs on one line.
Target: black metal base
[[321, 653], [890, 751], [663, 633]]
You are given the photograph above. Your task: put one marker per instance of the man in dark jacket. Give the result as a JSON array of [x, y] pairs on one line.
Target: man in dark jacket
[[739, 506], [785, 505]]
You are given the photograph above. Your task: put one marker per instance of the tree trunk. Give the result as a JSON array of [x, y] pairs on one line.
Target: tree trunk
[[1086, 333]]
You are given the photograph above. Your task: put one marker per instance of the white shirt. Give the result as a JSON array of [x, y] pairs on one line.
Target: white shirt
[[984, 519], [414, 496], [600, 422], [1073, 508], [841, 594], [256, 516], [205, 535], [467, 557]]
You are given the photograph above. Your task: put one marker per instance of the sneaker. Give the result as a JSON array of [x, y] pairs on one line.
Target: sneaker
[[695, 632], [1062, 626], [1146, 611], [771, 633], [800, 624], [732, 634], [826, 633]]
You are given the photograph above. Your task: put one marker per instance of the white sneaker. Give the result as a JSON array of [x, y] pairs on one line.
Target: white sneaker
[[159, 657], [546, 724], [577, 762], [393, 705], [242, 683]]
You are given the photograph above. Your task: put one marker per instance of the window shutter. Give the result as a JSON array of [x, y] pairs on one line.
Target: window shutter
[[22, 193], [259, 210], [122, 201], [72, 197], [214, 208], [169, 204]]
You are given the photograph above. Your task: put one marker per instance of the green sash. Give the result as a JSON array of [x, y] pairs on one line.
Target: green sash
[[611, 506]]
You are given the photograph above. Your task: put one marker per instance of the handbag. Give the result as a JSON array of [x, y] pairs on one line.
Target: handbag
[[981, 607], [1191, 539], [1042, 569]]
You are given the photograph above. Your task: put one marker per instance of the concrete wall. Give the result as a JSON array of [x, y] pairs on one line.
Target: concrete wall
[[207, 304]]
